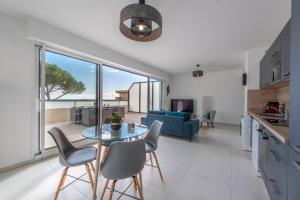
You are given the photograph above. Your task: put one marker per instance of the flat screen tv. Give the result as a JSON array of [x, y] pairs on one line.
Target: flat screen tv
[[182, 105]]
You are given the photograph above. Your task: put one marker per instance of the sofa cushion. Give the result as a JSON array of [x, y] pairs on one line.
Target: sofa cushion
[[185, 115], [153, 112]]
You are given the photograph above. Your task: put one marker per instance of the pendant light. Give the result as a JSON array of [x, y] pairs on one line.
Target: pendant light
[[140, 22], [198, 72]]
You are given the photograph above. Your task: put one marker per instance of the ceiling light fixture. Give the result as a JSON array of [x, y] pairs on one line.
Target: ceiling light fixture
[[140, 22], [198, 72]]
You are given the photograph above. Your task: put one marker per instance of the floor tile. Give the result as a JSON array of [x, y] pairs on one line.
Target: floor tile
[[211, 167], [196, 187]]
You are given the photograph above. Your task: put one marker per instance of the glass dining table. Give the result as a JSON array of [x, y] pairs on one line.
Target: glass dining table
[[104, 133]]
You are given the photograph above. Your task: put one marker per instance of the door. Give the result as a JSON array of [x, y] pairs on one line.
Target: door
[[68, 96]]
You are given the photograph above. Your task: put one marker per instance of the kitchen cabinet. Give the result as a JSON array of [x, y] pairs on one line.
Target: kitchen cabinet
[[294, 129], [286, 45], [278, 154], [273, 163], [275, 50], [294, 133], [293, 175], [275, 65]]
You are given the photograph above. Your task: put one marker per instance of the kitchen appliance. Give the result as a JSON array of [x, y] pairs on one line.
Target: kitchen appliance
[[255, 145], [246, 122], [272, 107]]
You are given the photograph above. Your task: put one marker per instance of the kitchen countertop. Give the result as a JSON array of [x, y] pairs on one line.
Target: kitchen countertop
[[280, 132]]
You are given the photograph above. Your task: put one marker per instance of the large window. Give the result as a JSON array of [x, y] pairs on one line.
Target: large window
[[72, 95], [68, 96]]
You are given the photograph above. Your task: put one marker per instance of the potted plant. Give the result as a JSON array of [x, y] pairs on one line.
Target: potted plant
[[115, 121]]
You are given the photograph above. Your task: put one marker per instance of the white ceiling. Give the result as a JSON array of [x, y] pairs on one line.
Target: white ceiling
[[216, 35]]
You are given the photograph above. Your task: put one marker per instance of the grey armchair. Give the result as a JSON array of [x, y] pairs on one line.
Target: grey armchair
[[123, 160], [70, 156], [208, 118]]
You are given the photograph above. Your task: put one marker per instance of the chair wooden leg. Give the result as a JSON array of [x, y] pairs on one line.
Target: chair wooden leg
[[92, 166], [104, 189], [61, 182], [139, 188], [112, 190], [134, 184], [88, 170], [141, 180], [157, 163], [151, 159], [104, 153]]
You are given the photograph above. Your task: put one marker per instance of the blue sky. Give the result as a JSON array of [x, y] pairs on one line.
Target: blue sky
[[113, 79]]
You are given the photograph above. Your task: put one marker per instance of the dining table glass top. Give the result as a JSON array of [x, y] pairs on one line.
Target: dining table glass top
[[105, 133]]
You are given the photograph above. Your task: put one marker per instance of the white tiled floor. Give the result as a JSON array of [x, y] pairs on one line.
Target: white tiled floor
[[211, 167]]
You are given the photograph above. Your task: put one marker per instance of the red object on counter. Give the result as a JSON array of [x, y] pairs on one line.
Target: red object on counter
[[272, 107]]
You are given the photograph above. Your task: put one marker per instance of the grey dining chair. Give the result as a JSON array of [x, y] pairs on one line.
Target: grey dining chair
[[151, 143], [208, 118], [70, 156], [123, 160]]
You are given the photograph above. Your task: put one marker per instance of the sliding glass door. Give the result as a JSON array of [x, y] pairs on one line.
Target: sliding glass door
[[125, 93], [68, 95], [76, 92], [155, 94]]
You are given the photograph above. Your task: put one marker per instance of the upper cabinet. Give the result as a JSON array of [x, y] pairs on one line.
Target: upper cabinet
[[275, 65], [286, 45]]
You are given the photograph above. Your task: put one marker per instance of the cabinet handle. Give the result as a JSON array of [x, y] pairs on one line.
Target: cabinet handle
[[297, 148], [273, 186], [286, 75], [274, 140], [296, 164], [263, 135], [274, 154]]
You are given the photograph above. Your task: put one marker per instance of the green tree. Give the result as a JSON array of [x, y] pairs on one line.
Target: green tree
[[58, 79]]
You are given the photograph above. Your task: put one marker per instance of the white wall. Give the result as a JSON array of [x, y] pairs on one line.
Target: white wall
[[17, 87], [19, 80], [252, 68], [220, 90], [46, 33]]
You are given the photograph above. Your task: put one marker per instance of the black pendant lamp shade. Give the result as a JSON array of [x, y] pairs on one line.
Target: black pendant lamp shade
[[197, 73], [140, 22]]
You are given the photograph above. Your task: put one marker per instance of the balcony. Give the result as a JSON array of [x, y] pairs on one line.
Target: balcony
[[62, 114]]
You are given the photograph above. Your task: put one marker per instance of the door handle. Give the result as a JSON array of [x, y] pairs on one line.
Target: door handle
[[296, 164]]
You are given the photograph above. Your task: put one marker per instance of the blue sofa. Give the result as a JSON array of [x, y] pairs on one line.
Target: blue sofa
[[174, 123]]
